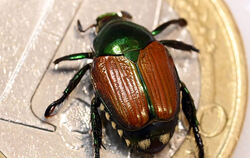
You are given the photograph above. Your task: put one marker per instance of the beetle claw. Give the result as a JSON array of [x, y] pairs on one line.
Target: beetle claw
[[182, 22], [50, 109], [103, 146]]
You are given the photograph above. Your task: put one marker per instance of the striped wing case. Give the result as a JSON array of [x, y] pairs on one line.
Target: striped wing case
[[117, 82], [159, 74]]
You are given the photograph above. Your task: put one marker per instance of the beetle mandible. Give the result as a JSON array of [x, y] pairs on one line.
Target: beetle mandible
[[135, 82]]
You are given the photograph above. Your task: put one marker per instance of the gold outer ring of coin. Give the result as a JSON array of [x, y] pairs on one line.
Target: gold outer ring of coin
[[2, 155], [223, 76]]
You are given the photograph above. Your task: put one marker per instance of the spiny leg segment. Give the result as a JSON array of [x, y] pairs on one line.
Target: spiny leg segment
[[72, 84], [190, 113], [96, 126]]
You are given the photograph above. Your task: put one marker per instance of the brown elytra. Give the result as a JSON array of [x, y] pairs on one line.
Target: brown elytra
[[117, 82], [158, 71]]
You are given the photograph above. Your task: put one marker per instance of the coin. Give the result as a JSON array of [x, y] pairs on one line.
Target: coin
[[223, 76], [2, 155]]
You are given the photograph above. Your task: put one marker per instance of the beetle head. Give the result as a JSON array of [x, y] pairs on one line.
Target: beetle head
[[105, 18]]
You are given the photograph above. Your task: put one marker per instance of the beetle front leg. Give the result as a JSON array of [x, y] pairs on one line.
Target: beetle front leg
[[181, 22], [72, 84], [80, 29], [179, 45], [190, 113], [96, 126], [76, 56]]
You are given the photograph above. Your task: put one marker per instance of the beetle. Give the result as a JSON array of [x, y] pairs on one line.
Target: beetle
[[135, 82]]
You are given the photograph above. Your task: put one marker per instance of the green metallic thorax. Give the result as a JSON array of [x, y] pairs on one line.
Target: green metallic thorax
[[120, 37]]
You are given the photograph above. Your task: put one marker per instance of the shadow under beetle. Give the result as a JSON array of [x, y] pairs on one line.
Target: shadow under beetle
[[135, 82]]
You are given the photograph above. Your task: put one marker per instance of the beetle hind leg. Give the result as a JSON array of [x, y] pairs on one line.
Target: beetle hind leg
[[72, 84], [96, 126], [190, 113]]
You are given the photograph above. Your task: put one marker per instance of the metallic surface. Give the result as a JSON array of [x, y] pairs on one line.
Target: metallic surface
[[2, 155], [30, 81], [29, 42], [223, 75], [239, 12]]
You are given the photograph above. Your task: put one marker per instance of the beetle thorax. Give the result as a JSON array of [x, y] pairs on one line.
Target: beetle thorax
[[118, 37]]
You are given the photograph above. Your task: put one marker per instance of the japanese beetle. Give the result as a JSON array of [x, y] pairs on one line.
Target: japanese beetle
[[135, 82]]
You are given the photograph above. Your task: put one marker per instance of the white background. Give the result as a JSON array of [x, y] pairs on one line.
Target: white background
[[241, 13]]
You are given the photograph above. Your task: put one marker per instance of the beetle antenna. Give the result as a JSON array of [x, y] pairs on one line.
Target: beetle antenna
[[79, 26]]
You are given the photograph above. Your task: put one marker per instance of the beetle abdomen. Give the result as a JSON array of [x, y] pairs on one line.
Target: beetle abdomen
[[116, 81], [159, 74]]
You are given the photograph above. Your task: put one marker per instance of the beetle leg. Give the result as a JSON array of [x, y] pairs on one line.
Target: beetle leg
[[190, 113], [181, 22], [72, 84], [79, 26], [76, 56], [96, 126], [179, 45]]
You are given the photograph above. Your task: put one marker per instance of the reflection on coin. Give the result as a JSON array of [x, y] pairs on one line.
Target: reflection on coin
[[213, 119], [2, 155], [223, 76]]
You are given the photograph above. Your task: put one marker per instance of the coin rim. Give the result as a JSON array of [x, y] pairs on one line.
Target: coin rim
[[241, 67], [241, 73]]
